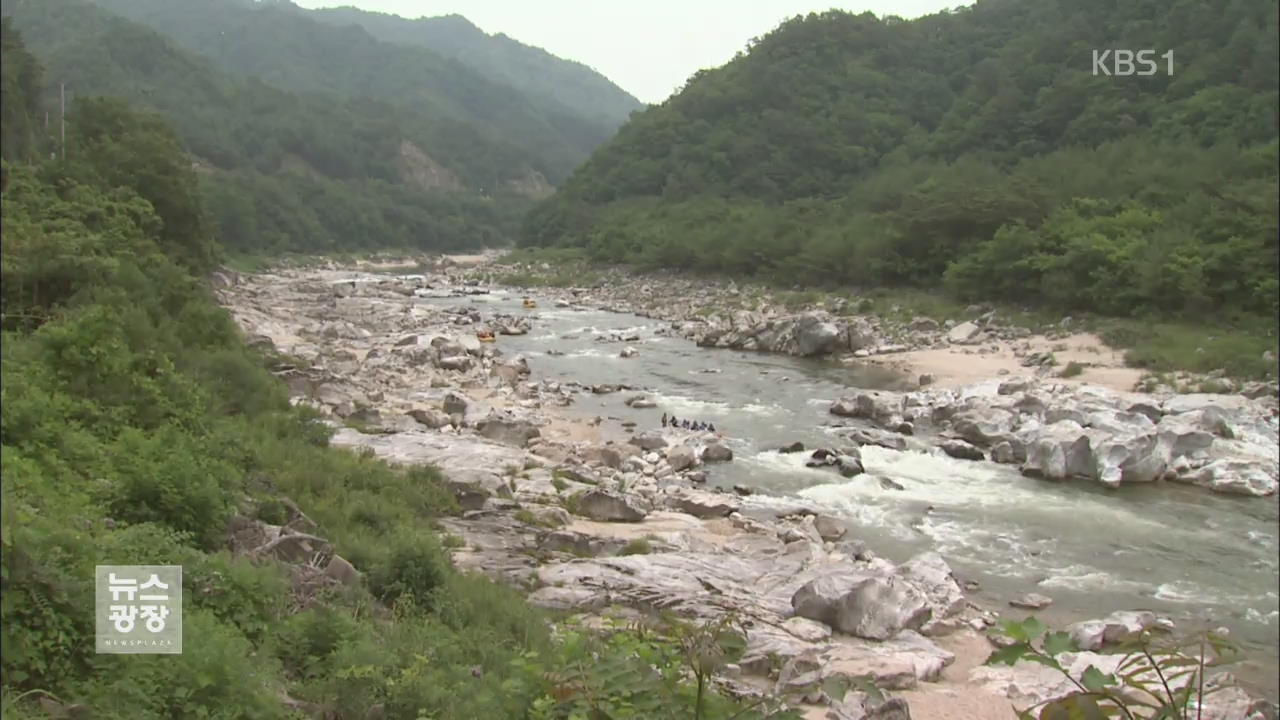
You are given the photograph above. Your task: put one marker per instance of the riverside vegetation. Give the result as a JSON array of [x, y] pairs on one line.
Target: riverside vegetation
[[136, 424]]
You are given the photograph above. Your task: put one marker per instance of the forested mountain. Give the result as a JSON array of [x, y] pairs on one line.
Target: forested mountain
[[285, 47], [539, 74], [334, 161], [975, 149], [136, 427]]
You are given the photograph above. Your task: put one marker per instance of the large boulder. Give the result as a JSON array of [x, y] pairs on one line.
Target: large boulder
[[508, 430], [983, 427], [454, 403], [608, 507], [876, 405], [1059, 451], [965, 333], [703, 504], [1115, 628], [815, 335], [929, 573], [961, 450], [716, 452], [681, 457], [866, 606], [648, 441], [1234, 477]]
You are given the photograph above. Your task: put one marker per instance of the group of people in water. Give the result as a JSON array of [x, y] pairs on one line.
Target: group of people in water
[[673, 422]]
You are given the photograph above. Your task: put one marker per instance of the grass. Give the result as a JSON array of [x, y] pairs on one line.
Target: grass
[[1169, 347], [451, 542], [572, 503], [637, 546], [527, 517]]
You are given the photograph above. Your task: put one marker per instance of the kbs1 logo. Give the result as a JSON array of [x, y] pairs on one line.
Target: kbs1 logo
[[1123, 63], [139, 609]]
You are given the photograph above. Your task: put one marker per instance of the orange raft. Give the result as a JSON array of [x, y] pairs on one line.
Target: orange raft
[[486, 336]]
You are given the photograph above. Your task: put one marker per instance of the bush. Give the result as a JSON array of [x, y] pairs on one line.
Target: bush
[[415, 566], [218, 676], [637, 546], [167, 477], [1159, 677], [305, 642]]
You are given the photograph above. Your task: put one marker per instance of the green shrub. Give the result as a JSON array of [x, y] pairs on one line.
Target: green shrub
[[637, 546], [305, 642], [1159, 676], [415, 566], [218, 676], [272, 512], [167, 477]]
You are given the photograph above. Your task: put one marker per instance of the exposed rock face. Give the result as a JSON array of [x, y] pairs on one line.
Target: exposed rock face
[[703, 504], [649, 441], [1060, 431], [964, 333], [1115, 628], [508, 430], [716, 452], [378, 361], [876, 605], [681, 457], [609, 507], [961, 450]]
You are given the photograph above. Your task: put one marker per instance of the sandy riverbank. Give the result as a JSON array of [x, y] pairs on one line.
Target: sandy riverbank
[[959, 365]]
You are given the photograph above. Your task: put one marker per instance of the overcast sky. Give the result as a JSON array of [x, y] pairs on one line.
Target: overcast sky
[[648, 47]]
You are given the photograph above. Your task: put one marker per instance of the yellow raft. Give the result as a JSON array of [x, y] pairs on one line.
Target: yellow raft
[[529, 304]]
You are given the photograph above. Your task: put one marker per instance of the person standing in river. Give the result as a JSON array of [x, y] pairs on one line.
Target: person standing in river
[[664, 419]]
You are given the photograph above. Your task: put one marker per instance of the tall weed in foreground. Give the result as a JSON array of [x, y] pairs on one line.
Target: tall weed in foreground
[[1157, 677]]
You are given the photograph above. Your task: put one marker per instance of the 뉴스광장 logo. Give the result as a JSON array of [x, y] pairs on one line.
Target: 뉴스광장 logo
[[138, 609]]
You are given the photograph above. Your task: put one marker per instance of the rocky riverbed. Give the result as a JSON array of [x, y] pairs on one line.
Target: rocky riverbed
[[593, 515], [980, 345]]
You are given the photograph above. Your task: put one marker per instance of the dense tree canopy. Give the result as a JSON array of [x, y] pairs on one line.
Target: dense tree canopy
[[973, 149], [329, 161], [135, 424]]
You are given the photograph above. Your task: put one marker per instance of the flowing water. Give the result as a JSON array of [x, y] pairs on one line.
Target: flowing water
[[1182, 551]]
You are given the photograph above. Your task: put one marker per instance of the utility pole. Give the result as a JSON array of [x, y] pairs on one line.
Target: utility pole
[[62, 89]]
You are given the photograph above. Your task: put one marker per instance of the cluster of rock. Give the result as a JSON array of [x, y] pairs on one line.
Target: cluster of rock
[[629, 526], [1059, 431]]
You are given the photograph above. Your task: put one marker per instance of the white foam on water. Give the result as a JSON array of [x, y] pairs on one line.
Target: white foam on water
[[592, 353], [1262, 618], [1180, 591], [683, 405], [1086, 578], [788, 464]]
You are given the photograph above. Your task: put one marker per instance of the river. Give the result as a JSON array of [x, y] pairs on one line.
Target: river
[[1182, 551]]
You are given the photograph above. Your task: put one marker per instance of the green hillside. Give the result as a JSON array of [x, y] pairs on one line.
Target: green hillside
[[137, 428], [285, 47], [972, 150], [281, 170], [539, 74]]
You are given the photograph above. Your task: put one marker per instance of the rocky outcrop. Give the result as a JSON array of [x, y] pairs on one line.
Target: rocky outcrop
[[609, 507], [1059, 431], [508, 429]]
